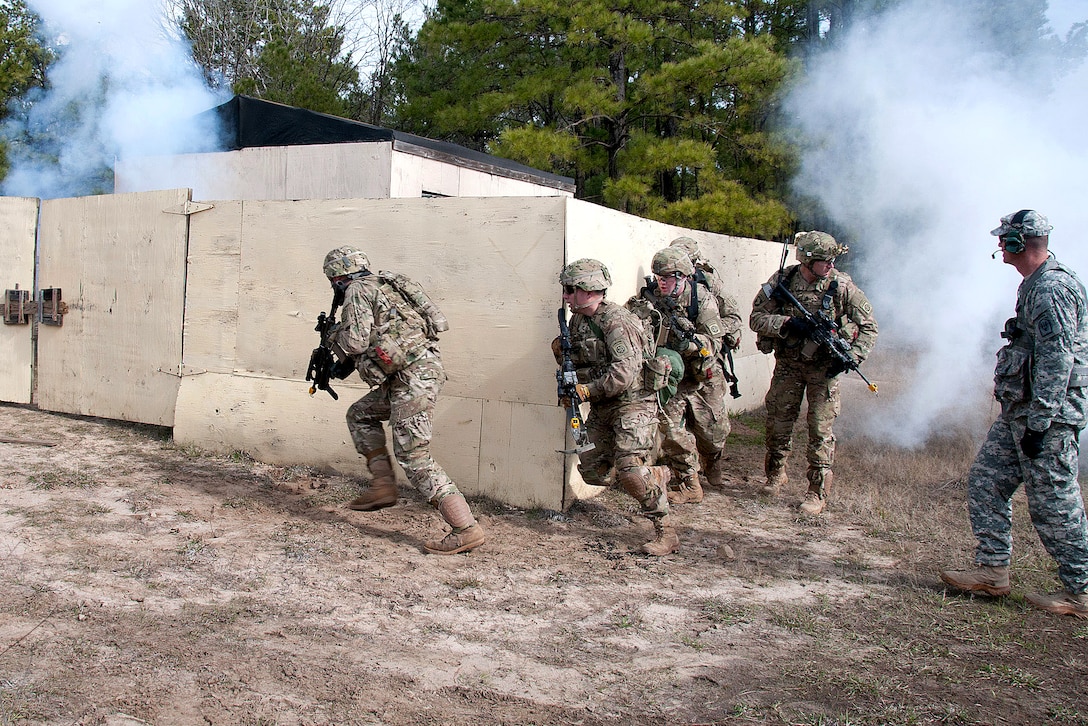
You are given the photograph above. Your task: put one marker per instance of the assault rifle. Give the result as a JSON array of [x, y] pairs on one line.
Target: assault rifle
[[823, 331], [323, 364], [730, 372], [685, 330], [567, 379]]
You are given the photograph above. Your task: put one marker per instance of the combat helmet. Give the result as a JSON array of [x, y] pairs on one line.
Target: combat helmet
[[689, 246], [345, 260], [812, 246], [587, 274], [672, 260]]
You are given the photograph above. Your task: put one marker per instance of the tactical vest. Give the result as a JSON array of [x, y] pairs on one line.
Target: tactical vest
[[413, 324]]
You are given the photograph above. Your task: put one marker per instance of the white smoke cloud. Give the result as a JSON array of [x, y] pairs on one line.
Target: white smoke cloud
[[134, 85], [922, 135]]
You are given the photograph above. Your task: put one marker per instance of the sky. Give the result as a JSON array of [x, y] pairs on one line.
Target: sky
[[920, 132]]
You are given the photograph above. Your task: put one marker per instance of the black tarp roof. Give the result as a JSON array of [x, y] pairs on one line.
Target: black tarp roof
[[245, 122]]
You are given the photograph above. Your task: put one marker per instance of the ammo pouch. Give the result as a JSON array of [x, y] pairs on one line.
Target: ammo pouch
[[395, 353], [1012, 376], [662, 373], [1078, 377]]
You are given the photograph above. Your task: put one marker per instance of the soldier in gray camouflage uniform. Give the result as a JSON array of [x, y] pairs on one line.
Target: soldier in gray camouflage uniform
[[1040, 382], [609, 350], [394, 348], [712, 460], [695, 419], [802, 369]]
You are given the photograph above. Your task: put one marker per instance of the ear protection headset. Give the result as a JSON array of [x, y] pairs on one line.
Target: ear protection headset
[[1014, 238]]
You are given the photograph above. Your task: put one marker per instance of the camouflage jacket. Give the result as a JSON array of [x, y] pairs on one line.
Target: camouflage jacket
[[706, 325], [380, 330], [837, 295], [608, 350], [728, 310], [1042, 372]]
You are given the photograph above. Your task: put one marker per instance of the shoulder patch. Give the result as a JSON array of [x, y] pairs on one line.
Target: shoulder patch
[[1046, 326], [620, 349]]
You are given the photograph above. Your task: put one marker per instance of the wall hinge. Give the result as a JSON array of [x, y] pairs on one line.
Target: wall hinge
[[189, 207]]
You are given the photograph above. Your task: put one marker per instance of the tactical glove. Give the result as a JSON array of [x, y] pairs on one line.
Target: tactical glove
[[836, 367], [343, 368], [796, 326], [1032, 443]]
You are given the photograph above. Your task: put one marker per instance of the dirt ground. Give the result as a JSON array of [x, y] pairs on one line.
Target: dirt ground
[[146, 583]]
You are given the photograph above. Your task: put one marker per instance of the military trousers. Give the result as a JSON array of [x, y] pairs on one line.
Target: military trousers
[[793, 382], [694, 422], [623, 434], [1053, 493], [405, 400]]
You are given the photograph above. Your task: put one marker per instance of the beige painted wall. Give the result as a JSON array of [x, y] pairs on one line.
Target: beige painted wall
[[489, 264], [18, 227], [370, 170], [119, 260]]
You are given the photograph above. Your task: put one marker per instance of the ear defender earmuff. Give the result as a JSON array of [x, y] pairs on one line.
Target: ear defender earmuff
[[1014, 238]]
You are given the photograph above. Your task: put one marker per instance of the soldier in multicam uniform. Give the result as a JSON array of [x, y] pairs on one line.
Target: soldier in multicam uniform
[[394, 348], [804, 369], [1040, 382], [712, 461], [609, 349], [694, 419]]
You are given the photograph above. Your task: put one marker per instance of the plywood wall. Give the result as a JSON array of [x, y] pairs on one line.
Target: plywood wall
[[490, 265], [120, 263], [18, 227]]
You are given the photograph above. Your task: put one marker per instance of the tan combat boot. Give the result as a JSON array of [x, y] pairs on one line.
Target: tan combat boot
[[775, 469], [818, 488], [382, 491], [466, 533], [1062, 603], [690, 492], [992, 581], [665, 541], [713, 470]]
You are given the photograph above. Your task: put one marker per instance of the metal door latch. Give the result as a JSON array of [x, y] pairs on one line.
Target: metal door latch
[[17, 307]]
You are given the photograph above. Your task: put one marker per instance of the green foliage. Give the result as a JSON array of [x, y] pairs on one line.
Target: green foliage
[[288, 51], [24, 58], [655, 107]]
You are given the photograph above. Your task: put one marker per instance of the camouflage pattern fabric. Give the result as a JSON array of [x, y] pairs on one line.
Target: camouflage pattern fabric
[[801, 367], [1040, 382], [694, 419], [1053, 494], [372, 317], [792, 382], [608, 351]]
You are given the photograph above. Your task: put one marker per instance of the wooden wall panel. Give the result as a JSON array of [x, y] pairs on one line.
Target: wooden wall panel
[[491, 265], [211, 298], [259, 173], [338, 171], [120, 262], [18, 230]]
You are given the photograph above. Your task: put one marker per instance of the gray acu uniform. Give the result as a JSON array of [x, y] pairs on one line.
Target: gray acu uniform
[[1040, 383], [608, 351], [801, 368], [387, 340], [695, 419]]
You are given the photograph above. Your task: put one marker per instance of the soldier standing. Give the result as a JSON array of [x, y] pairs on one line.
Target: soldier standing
[[803, 369], [392, 341], [1040, 383], [609, 349], [729, 312], [694, 419]]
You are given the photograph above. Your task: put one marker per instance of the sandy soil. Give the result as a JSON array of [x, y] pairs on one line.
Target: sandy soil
[[141, 582]]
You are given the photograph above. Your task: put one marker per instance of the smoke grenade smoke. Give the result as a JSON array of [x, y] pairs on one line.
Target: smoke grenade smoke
[[921, 128], [122, 86]]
